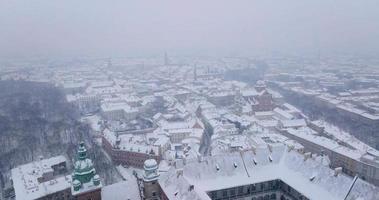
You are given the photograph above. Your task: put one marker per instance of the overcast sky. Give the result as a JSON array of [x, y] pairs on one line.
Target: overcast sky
[[195, 27]]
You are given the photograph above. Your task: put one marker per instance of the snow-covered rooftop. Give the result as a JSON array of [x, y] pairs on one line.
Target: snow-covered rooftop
[[133, 143], [27, 179], [243, 168]]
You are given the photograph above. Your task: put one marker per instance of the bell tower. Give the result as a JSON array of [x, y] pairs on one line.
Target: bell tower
[[86, 183], [151, 189]]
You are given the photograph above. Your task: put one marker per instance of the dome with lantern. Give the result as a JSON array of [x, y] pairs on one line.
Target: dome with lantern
[[84, 172]]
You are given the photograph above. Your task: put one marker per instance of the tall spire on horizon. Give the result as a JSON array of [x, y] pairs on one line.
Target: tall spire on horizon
[[166, 59]]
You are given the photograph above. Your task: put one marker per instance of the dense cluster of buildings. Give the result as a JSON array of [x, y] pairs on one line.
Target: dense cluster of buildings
[[343, 91], [182, 131]]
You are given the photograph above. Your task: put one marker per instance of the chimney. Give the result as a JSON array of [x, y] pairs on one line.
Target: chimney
[[307, 155], [179, 173], [199, 158], [269, 148], [290, 148], [217, 167], [191, 187], [337, 171], [118, 141], [255, 161]]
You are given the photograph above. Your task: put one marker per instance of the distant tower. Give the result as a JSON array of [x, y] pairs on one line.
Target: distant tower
[[109, 64], [260, 86], [166, 59], [85, 182], [151, 189], [195, 73]]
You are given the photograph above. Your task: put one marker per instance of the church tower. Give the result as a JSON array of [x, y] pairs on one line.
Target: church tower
[[195, 73], [166, 59], [151, 189], [86, 183], [109, 63]]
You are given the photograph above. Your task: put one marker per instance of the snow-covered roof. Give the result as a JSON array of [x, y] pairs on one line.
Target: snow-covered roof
[[124, 190], [283, 114], [26, 179], [291, 108], [309, 135], [132, 143], [112, 106], [243, 168], [293, 123], [249, 92]]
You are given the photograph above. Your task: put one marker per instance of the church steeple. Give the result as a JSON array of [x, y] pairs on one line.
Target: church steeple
[[195, 73], [166, 59]]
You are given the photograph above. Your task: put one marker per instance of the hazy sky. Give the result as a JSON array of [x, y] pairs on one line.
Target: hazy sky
[[196, 27]]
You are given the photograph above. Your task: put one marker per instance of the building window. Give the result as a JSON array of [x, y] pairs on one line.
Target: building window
[[224, 193], [260, 187], [240, 190], [232, 192], [213, 195], [270, 185]]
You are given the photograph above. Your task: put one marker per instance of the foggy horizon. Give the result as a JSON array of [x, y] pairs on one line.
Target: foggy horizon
[[189, 100], [195, 28]]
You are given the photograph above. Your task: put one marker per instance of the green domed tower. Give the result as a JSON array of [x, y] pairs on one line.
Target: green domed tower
[[85, 182]]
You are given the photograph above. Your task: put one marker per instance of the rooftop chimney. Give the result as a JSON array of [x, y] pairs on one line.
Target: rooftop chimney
[[307, 155], [337, 171]]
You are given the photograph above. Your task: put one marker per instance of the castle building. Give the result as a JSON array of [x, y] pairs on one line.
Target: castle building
[[276, 173], [42, 179], [131, 150], [86, 183], [47, 179]]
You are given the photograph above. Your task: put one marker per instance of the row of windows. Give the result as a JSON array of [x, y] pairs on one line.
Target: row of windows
[[265, 197], [63, 195], [258, 188], [246, 190]]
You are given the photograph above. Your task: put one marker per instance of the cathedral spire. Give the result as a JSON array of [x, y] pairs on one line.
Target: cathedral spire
[[85, 181]]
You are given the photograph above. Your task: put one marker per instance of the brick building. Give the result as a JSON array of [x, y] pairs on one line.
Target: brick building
[[131, 150]]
